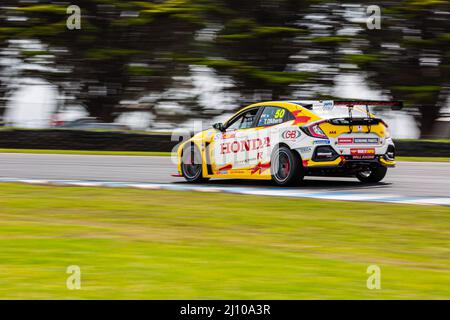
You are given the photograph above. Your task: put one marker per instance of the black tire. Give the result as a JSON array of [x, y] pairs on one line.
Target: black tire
[[286, 167], [191, 165], [372, 175]]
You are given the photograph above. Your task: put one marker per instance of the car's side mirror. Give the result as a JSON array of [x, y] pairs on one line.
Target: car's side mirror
[[219, 126]]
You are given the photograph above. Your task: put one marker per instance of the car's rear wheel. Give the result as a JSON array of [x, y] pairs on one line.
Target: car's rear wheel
[[191, 165], [286, 167], [372, 175]]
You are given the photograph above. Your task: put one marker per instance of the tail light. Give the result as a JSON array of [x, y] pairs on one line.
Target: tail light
[[313, 130]]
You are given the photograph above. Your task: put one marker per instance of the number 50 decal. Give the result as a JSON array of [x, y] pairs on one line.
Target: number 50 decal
[[280, 113]]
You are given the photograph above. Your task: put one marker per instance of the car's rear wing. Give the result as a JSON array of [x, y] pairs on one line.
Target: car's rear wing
[[395, 105], [350, 121], [329, 104]]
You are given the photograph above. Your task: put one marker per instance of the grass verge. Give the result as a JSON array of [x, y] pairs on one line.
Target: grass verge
[[138, 244]]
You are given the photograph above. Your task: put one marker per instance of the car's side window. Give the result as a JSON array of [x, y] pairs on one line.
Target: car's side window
[[274, 115], [244, 121]]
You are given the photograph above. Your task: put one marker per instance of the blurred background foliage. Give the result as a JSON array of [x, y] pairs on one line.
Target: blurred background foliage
[[149, 56]]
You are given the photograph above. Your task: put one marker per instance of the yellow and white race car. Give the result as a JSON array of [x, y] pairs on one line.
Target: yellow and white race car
[[285, 141]]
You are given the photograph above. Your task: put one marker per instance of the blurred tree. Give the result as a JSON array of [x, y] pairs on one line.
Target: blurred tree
[[271, 49], [127, 48], [254, 45], [3, 90], [2, 98], [409, 56], [124, 48], [322, 47]]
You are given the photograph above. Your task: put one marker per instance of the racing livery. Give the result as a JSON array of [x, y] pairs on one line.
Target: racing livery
[[285, 141]]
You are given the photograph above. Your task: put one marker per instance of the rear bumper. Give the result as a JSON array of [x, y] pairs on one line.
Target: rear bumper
[[343, 161], [344, 166], [335, 155]]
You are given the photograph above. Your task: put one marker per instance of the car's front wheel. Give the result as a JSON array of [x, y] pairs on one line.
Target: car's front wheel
[[372, 175], [286, 167], [191, 165]]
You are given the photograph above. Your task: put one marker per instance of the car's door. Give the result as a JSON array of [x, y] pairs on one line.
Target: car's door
[[268, 129], [232, 150]]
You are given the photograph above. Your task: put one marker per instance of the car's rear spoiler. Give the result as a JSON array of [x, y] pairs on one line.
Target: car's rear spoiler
[[369, 120], [395, 105]]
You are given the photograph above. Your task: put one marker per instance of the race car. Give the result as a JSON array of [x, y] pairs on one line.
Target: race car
[[284, 141]]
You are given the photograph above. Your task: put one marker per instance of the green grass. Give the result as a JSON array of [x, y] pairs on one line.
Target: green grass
[[87, 152], [138, 244]]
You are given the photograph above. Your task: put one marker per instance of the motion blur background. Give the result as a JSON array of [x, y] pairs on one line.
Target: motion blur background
[[140, 67], [158, 65]]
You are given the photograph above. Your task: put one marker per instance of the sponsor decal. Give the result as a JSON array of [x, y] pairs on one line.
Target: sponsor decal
[[291, 134], [362, 153], [365, 140], [356, 152], [304, 149], [328, 105], [244, 145], [363, 157], [321, 141], [228, 135], [358, 140], [345, 140]]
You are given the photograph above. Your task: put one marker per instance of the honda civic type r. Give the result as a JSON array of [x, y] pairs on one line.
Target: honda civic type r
[[285, 141]]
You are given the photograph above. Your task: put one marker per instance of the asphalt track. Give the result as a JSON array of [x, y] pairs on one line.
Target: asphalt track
[[408, 180]]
